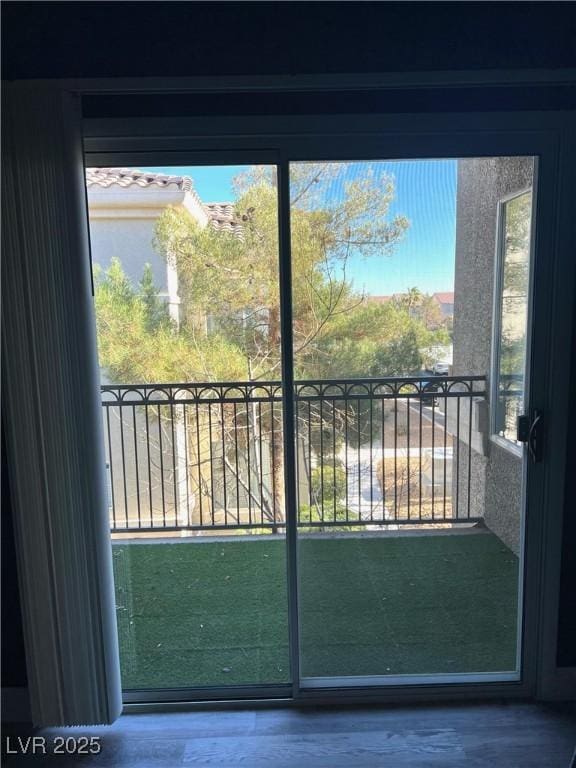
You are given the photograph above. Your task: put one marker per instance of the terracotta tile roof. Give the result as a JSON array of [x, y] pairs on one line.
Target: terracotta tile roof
[[128, 177], [444, 297], [379, 299], [223, 217], [385, 299]]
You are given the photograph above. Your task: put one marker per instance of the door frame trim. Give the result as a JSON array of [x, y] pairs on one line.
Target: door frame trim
[[353, 81], [197, 141]]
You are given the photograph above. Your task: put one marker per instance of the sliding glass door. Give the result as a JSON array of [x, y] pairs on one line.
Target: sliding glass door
[[410, 299], [187, 310], [377, 537]]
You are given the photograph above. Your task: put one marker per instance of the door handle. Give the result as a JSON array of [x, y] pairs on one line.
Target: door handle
[[530, 432]]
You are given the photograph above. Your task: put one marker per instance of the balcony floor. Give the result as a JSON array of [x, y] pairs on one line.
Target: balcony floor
[[194, 613]]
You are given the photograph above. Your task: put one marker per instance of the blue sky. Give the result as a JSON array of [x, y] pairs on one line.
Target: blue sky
[[425, 194]]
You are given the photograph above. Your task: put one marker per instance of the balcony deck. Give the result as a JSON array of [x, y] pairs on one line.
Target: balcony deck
[[195, 612]]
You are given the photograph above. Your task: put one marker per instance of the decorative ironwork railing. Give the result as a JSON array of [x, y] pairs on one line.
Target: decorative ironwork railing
[[370, 452]]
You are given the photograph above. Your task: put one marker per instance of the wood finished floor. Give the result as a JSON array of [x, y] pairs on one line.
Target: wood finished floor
[[479, 736]]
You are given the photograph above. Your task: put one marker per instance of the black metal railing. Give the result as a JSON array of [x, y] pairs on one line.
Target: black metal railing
[[207, 457]]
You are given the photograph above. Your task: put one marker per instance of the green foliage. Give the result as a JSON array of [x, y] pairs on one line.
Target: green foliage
[[229, 289], [229, 324], [399, 357], [313, 514], [138, 343], [373, 340], [519, 223], [235, 279], [156, 311], [515, 279], [328, 483]]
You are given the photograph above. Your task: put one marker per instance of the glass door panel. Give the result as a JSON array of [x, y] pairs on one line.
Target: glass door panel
[[410, 347], [410, 357], [187, 309]]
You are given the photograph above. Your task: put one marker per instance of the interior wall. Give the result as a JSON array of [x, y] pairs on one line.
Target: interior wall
[[46, 39], [41, 40], [566, 652], [13, 660]]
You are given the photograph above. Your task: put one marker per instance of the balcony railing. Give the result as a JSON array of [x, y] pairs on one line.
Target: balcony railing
[[370, 452]]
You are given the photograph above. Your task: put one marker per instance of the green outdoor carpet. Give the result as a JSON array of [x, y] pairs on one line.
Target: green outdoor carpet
[[199, 613]]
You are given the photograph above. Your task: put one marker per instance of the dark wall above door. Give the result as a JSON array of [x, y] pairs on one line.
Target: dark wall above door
[[177, 39]]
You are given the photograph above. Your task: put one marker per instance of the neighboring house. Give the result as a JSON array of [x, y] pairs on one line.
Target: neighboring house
[[445, 301], [124, 205], [383, 299]]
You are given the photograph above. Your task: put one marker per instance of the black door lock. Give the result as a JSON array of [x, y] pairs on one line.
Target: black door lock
[[529, 431]]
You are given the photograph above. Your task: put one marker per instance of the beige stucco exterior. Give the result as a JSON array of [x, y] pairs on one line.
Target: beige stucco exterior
[[122, 225]]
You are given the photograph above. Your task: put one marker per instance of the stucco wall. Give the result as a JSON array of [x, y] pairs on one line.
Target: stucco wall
[[495, 481], [503, 495], [130, 240], [122, 225]]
